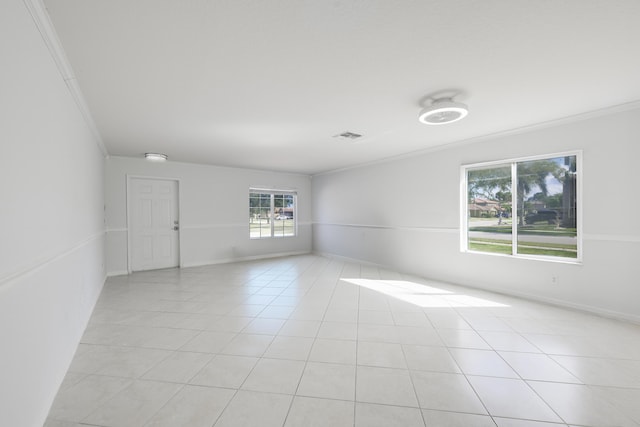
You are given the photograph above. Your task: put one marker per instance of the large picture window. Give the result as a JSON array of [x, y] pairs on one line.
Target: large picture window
[[525, 207], [271, 213]]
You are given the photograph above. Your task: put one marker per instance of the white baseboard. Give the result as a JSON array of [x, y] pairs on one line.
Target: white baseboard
[[117, 273], [222, 261], [610, 314], [241, 259], [348, 259]]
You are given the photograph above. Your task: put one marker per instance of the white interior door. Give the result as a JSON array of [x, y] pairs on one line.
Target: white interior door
[[154, 224]]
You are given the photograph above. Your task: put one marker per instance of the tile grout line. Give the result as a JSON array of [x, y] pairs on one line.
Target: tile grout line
[[295, 393]]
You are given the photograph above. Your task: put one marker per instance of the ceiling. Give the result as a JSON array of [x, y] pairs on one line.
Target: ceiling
[[267, 84]]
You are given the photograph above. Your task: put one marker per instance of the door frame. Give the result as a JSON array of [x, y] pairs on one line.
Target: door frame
[[129, 194]]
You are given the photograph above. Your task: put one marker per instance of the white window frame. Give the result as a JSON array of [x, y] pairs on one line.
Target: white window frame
[[272, 209], [464, 203]]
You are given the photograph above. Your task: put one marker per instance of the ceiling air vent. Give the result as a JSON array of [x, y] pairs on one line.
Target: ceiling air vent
[[348, 135]]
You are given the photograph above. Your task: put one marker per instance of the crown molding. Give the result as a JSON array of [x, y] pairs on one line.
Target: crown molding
[[580, 117], [40, 17]]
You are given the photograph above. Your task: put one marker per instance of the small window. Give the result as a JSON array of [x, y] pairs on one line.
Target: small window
[[525, 207], [271, 213]]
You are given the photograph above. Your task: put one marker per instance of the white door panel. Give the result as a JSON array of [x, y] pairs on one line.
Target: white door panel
[[154, 224]]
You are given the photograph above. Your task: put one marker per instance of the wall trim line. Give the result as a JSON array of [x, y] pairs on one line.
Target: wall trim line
[[391, 227], [44, 261], [231, 225], [585, 236], [611, 238]]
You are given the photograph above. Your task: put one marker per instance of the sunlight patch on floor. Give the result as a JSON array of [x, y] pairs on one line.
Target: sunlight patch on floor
[[422, 295]]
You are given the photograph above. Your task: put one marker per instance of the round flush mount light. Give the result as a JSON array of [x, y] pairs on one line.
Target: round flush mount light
[[156, 157], [443, 111]]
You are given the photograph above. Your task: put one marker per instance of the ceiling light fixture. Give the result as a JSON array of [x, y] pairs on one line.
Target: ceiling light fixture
[[156, 157], [348, 135], [443, 111]]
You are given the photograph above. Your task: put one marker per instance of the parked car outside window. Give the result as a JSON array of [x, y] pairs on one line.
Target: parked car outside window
[[549, 215]]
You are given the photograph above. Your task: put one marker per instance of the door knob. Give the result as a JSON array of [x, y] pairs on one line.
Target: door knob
[[175, 227]]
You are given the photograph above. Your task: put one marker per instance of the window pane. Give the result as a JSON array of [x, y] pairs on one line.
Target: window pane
[[547, 207], [284, 215], [259, 215], [489, 210]]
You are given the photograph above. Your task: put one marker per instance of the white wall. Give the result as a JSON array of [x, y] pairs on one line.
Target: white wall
[[214, 211], [406, 213], [52, 237]]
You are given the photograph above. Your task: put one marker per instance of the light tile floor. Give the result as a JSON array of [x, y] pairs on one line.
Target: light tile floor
[[310, 341]]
